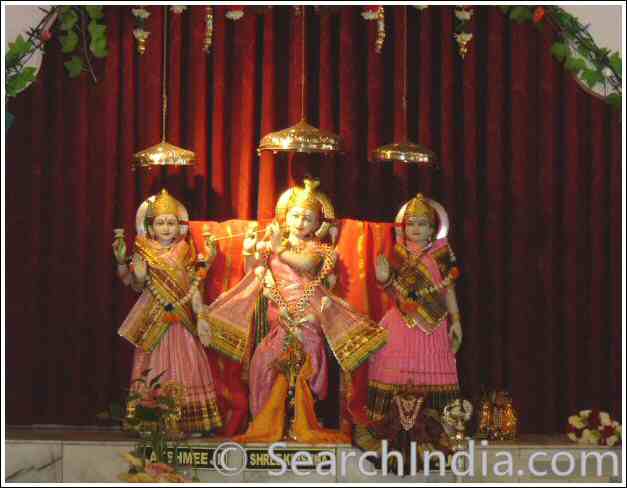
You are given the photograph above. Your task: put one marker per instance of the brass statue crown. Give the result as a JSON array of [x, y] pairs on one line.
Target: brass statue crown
[[306, 197], [163, 204], [418, 207]]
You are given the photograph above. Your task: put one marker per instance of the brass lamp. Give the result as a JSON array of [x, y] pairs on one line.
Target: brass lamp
[[301, 137], [405, 151], [164, 153]]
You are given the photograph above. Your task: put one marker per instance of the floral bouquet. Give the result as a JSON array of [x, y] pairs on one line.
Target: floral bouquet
[[594, 427], [142, 472], [152, 409]]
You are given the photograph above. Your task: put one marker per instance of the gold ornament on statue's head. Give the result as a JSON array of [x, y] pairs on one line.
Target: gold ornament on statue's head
[[164, 204], [308, 197], [418, 207], [164, 153]]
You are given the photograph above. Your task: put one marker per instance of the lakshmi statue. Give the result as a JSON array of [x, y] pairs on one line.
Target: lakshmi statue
[[162, 325], [278, 318], [417, 368]]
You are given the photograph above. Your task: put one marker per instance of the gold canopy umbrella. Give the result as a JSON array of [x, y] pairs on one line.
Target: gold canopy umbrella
[[405, 151], [301, 137], [164, 153]]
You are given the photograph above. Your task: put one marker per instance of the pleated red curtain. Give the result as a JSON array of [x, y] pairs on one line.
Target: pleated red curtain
[[530, 176]]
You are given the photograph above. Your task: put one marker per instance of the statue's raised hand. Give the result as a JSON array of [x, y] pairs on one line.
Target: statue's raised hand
[[382, 269], [119, 251], [139, 267], [250, 241], [276, 236]]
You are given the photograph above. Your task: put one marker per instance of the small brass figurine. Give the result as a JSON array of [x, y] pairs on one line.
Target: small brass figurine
[[498, 419]]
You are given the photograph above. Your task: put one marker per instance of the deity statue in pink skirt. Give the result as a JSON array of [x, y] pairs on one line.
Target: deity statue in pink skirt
[[278, 319], [162, 325], [416, 369]]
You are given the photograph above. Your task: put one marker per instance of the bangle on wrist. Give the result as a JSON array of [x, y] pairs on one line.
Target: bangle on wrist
[[454, 316]]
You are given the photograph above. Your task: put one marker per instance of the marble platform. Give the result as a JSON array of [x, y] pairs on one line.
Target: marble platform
[[95, 456]]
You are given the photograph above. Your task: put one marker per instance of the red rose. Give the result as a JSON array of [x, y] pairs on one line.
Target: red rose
[[607, 431], [593, 420], [538, 15], [46, 36]]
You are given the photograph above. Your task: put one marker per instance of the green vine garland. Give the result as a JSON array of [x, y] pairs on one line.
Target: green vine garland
[[576, 49], [82, 34]]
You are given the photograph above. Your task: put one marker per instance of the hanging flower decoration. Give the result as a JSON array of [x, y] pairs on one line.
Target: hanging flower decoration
[[178, 9], [235, 12], [594, 427], [140, 33], [463, 14], [208, 29], [538, 14], [376, 13]]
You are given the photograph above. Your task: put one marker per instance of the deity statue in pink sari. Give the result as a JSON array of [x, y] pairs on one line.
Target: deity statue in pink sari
[[279, 317], [162, 325], [417, 368]]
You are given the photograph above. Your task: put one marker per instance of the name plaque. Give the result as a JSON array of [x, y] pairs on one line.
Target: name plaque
[[257, 458]]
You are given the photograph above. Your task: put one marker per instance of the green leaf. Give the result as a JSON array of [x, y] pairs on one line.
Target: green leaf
[[20, 46], [18, 83], [74, 66], [156, 379], [99, 47], [69, 42], [521, 14], [575, 64], [69, 18], [96, 30], [616, 63], [94, 12], [559, 51], [591, 77], [615, 100]]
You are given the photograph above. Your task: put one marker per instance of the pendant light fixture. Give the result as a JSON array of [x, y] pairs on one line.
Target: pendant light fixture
[[405, 151], [302, 137], [164, 153]]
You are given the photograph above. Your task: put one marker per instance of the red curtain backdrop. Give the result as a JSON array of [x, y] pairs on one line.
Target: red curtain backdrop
[[531, 172]]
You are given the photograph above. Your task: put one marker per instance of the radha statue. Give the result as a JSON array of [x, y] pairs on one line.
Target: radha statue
[[167, 271], [416, 370], [278, 318]]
